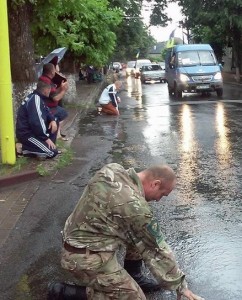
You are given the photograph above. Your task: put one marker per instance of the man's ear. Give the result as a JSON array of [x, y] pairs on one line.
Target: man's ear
[[157, 184]]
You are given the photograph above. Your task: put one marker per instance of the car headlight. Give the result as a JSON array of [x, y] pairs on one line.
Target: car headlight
[[218, 76], [184, 77]]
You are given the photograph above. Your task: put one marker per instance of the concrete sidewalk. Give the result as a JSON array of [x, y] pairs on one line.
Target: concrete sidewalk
[[229, 78]]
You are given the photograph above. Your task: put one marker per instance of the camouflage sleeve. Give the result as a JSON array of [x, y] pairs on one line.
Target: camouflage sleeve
[[156, 253]]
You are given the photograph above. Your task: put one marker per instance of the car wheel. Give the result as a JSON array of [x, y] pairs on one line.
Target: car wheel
[[219, 92], [177, 93]]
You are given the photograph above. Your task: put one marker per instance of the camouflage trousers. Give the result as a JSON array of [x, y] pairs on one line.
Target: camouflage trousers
[[103, 276]]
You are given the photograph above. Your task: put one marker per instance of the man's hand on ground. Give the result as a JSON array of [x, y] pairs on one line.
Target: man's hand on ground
[[51, 145], [53, 126], [188, 295]]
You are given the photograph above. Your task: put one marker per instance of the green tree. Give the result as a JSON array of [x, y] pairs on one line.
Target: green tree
[[217, 22], [85, 27], [132, 34]]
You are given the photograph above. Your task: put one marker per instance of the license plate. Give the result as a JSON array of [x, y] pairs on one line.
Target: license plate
[[203, 87]]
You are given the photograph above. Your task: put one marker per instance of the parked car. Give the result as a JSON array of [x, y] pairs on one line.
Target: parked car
[[152, 73], [117, 66], [130, 67], [138, 65], [162, 64]]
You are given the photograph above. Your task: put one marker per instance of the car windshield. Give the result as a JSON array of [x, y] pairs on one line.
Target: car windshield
[[194, 58], [131, 64], [151, 68], [141, 63]]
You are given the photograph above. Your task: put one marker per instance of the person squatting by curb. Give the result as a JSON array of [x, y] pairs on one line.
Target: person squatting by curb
[[36, 127], [113, 211], [109, 99]]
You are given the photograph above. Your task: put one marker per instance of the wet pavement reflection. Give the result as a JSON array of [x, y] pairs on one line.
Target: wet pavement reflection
[[200, 138]]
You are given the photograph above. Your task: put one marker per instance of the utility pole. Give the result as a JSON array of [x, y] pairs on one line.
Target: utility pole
[[6, 104]]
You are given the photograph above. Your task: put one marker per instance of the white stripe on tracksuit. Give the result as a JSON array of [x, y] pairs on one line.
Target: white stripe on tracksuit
[[37, 104], [41, 146]]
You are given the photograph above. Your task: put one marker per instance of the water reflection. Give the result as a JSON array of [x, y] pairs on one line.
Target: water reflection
[[222, 144], [157, 131], [188, 149], [134, 88], [186, 129]]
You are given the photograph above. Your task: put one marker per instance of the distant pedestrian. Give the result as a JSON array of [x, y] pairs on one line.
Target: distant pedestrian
[[90, 74], [36, 128], [109, 99]]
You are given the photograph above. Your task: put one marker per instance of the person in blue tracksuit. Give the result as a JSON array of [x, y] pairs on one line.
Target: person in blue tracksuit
[[36, 127]]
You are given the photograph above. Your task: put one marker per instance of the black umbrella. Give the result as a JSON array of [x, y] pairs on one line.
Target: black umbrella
[[55, 56]]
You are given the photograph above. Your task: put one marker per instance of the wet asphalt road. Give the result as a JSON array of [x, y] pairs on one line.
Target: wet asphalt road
[[202, 219]]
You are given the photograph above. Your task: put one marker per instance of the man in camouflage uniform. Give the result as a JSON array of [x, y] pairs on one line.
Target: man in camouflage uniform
[[112, 211]]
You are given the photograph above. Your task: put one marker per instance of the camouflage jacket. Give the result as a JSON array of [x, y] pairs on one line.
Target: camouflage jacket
[[112, 211]]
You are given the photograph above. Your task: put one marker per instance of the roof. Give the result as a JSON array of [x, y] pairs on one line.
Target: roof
[[192, 47]]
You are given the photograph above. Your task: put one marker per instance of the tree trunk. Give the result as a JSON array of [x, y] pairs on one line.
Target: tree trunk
[[21, 51], [236, 49], [21, 43]]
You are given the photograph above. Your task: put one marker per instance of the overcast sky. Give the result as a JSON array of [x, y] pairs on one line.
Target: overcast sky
[[162, 33]]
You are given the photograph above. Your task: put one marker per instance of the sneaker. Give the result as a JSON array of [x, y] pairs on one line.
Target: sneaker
[[99, 110]]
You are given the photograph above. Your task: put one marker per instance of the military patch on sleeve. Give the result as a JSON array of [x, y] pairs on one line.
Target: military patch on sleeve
[[155, 230]]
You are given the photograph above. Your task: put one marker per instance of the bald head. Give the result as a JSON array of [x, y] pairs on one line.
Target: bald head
[[43, 88], [157, 181], [160, 171]]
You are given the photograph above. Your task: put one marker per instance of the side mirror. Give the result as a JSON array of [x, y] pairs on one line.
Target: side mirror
[[220, 66]]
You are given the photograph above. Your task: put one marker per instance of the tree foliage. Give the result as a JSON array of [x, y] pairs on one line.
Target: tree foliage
[[85, 27], [217, 22], [132, 34]]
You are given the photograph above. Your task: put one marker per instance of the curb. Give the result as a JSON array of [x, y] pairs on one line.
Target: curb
[[18, 178]]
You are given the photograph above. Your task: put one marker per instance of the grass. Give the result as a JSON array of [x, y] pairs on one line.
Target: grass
[[20, 164], [44, 168], [47, 166]]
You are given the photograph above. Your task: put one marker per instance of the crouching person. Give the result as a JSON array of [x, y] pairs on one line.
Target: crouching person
[[109, 99], [112, 211], [36, 128]]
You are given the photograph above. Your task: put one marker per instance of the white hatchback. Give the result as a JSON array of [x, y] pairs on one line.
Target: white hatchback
[[117, 66]]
